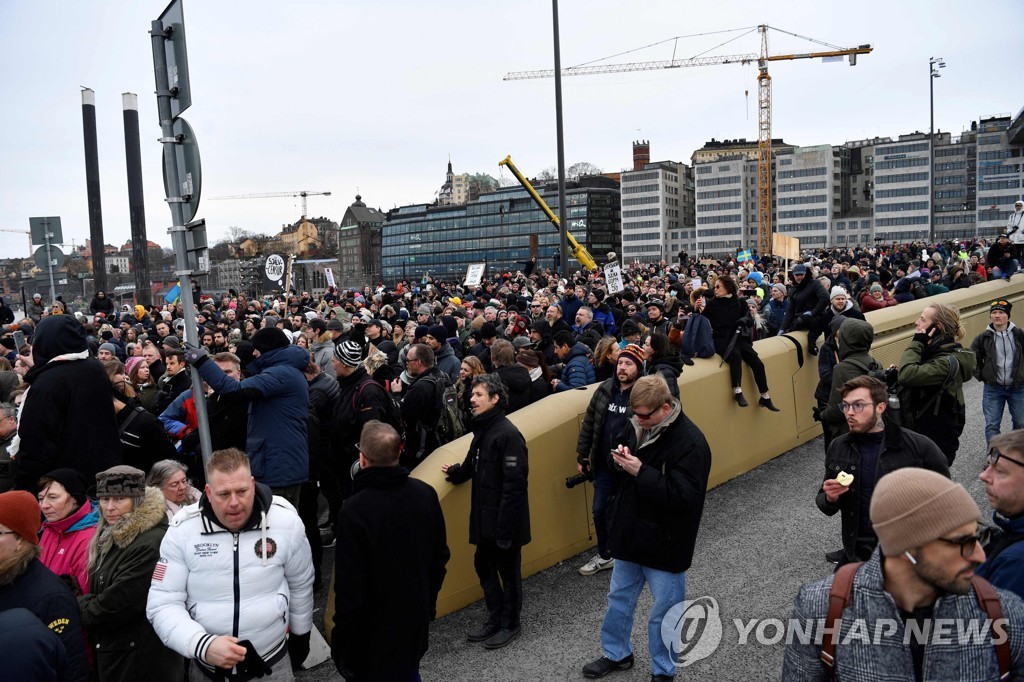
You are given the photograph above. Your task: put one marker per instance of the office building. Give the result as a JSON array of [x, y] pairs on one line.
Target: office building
[[657, 208]]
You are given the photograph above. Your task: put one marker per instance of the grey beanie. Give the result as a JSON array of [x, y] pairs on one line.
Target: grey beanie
[[108, 347]]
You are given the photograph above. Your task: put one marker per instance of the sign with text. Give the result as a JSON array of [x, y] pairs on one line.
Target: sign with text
[[475, 274], [613, 278], [329, 275]]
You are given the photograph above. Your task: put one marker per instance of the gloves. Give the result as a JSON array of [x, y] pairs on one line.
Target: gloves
[[583, 461], [298, 649], [196, 355], [816, 413], [922, 338], [254, 665]]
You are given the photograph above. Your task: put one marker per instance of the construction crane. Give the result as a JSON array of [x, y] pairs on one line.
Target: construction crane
[[24, 232], [274, 195], [764, 99], [579, 252]]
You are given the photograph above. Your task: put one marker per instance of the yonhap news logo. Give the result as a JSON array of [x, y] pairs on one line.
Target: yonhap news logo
[[692, 630]]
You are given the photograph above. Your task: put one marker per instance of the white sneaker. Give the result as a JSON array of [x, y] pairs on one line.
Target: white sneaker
[[596, 564]]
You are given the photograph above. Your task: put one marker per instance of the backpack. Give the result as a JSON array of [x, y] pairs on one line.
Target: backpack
[[938, 400], [449, 424], [839, 599], [393, 416], [697, 339], [918, 288]]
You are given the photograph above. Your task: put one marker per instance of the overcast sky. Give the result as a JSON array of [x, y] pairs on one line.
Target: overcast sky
[[374, 96]]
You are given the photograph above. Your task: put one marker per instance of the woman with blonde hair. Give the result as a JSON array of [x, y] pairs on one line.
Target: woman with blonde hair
[[470, 368], [932, 373], [606, 354]]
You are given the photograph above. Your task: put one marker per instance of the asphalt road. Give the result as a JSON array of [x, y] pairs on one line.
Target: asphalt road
[[761, 537]]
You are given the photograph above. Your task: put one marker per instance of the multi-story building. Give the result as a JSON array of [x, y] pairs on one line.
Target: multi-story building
[[902, 184], [657, 208], [853, 225], [118, 263], [1000, 170], [359, 240], [725, 179], [457, 189], [809, 193], [503, 229], [954, 186]]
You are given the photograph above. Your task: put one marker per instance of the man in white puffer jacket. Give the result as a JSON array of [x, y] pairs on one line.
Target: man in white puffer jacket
[[235, 576]]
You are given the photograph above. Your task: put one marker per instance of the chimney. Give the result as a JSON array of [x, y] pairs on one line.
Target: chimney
[[641, 154]]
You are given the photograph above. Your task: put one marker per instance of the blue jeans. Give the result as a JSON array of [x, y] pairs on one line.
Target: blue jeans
[[604, 485], [627, 583], [994, 399]]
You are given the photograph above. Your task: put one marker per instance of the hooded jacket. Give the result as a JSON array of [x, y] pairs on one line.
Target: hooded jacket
[[279, 404], [855, 359], [517, 380], [65, 544], [67, 417], [989, 345], [122, 558], [578, 371], [808, 296], [1004, 556], [446, 361], [214, 582], [670, 367]]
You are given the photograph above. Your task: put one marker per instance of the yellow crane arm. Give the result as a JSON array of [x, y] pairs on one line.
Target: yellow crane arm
[[578, 251]]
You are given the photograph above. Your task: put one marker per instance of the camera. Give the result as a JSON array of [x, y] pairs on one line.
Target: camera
[[573, 481]]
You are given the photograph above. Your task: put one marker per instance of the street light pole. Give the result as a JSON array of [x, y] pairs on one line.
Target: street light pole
[[934, 64]]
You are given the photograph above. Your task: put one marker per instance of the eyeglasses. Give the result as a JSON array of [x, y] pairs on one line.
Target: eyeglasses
[[966, 543], [856, 408], [641, 415], [994, 455]]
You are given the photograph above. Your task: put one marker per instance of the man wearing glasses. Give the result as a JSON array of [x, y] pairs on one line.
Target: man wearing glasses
[[871, 449], [1004, 484], [915, 603], [661, 464], [1000, 366]]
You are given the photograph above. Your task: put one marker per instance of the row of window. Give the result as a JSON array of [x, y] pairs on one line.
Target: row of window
[[903, 206], [803, 186], [721, 206], [717, 219], [639, 201], [637, 189], [903, 177], [990, 139], [999, 154], [713, 182], [901, 148], [908, 220], [954, 150], [901, 192], [802, 173], [803, 213], [805, 227], [950, 165], [795, 201], [998, 184], [641, 212], [912, 162], [954, 219], [641, 236], [719, 193]]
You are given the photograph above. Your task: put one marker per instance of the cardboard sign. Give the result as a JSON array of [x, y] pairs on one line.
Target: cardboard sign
[[613, 278], [785, 247], [329, 274], [474, 274]]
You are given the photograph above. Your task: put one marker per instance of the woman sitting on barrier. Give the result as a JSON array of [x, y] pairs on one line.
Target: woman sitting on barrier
[[730, 330]]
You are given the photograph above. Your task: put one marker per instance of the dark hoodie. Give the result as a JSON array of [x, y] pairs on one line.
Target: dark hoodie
[[68, 416], [669, 367], [855, 339]]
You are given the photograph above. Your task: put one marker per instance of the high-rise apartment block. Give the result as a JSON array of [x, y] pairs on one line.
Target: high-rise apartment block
[[657, 208]]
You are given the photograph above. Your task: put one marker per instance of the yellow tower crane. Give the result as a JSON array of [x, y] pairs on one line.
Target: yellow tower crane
[[764, 100], [272, 195]]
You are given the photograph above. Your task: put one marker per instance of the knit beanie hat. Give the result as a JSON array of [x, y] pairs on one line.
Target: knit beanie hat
[[19, 511], [130, 363], [488, 331], [836, 291], [1000, 304], [73, 482], [424, 309], [876, 287], [912, 507], [109, 347], [782, 288], [269, 338], [121, 481], [438, 331], [349, 353], [635, 353]]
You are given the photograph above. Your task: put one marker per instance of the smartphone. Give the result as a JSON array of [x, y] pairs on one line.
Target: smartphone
[[19, 340], [934, 327]]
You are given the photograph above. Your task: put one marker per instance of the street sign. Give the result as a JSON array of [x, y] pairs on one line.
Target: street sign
[[173, 18], [40, 227], [54, 258], [186, 160]]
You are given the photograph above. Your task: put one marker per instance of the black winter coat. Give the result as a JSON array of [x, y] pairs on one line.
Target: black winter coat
[[122, 641], [143, 439], [900, 448], [420, 412], [498, 465], [808, 296], [68, 416], [43, 593], [726, 314], [654, 518], [517, 380], [390, 563], [360, 399]]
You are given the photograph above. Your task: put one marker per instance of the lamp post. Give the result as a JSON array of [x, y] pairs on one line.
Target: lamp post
[[934, 64]]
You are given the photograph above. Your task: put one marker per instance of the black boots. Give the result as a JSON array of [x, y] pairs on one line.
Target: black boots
[[767, 403], [740, 400]]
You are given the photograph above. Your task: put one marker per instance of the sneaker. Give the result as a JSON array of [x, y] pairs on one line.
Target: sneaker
[[834, 557], [605, 665], [596, 564], [327, 539]]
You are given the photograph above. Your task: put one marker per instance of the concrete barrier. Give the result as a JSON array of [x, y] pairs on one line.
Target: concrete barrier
[[740, 438]]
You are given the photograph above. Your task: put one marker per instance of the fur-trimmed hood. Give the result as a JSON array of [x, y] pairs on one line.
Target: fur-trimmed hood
[[697, 293], [150, 513]]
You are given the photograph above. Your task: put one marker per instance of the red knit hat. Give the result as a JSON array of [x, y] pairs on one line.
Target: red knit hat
[[19, 511], [634, 353]]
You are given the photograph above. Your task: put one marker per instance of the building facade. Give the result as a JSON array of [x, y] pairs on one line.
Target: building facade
[[809, 193], [502, 229], [359, 244], [657, 211], [1000, 140]]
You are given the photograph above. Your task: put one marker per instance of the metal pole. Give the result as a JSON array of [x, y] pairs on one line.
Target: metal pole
[[177, 230], [931, 153], [563, 242], [136, 204]]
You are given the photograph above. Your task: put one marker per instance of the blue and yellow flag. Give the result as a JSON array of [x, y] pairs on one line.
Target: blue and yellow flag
[[174, 294], [743, 256]]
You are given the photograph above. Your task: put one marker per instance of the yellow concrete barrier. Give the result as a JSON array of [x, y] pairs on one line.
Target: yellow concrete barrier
[[740, 438]]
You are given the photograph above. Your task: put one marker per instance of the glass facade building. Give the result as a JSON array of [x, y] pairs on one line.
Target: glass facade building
[[442, 241]]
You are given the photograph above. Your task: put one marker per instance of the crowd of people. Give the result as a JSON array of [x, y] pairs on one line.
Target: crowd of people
[[117, 528]]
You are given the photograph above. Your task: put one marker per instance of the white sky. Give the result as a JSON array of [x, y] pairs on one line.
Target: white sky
[[339, 96]]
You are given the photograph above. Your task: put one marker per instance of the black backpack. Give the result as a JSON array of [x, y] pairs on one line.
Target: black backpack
[[449, 425], [918, 288], [393, 416]]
